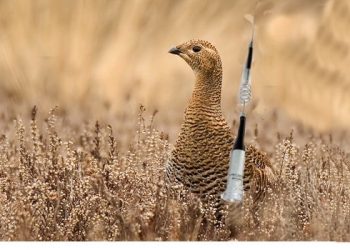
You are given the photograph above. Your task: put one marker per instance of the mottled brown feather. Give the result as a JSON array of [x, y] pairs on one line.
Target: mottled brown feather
[[200, 158]]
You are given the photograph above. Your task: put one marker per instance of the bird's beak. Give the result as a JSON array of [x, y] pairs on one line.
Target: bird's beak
[[175, 51]]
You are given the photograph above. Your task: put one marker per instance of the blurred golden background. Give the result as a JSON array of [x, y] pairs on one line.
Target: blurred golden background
[[103, 58]]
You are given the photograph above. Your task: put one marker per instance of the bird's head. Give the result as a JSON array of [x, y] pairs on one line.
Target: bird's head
[[201, 55]]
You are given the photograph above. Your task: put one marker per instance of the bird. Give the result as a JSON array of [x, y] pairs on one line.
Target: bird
[[200, 158]]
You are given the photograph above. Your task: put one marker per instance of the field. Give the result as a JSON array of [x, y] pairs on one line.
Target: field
[[91, 104]]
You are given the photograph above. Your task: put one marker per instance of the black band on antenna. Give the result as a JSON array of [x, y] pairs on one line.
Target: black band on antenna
[[239, 144], [250, 55]]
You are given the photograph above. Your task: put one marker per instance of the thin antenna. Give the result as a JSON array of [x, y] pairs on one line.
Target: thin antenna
[[245, 85], [234, 185], [250, 18]]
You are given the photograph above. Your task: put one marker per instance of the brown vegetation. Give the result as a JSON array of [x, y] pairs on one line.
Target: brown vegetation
[[63, 183], [92, 54], [64, 176]]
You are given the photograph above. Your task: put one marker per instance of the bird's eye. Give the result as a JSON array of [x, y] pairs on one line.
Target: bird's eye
[[196, 49]]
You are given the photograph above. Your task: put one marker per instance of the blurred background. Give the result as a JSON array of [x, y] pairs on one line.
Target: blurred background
[[101, 59]]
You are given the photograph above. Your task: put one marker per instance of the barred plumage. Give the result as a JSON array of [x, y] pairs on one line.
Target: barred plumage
[[200, 158]]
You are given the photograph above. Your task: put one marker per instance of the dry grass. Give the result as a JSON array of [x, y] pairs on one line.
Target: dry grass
[[63, 183], [91, 55], [64, 176]]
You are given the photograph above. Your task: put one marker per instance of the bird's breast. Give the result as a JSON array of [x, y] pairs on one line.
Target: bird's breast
[[205, 140]]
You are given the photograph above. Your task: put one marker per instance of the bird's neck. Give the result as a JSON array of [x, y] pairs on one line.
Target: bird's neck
[[207, 89]]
